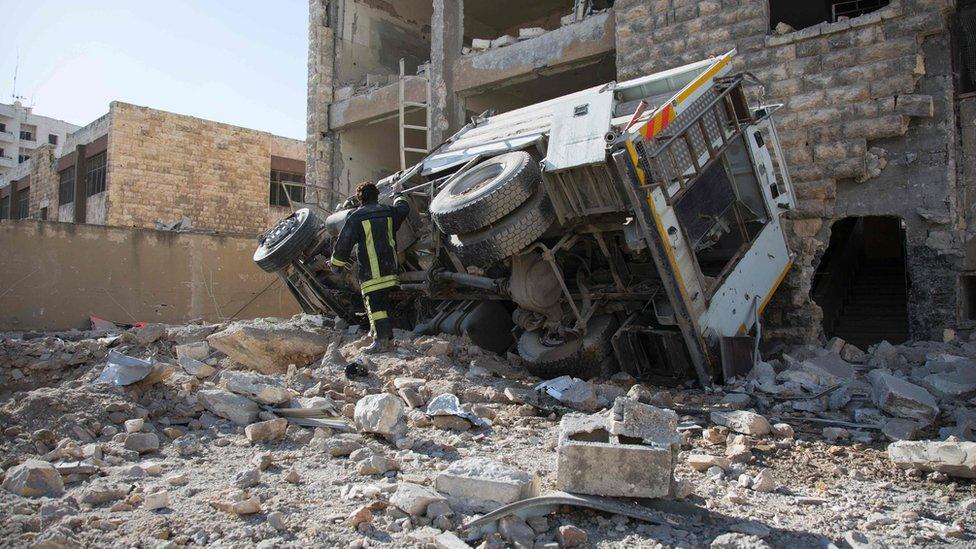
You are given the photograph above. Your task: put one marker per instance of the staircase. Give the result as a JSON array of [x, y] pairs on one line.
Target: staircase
[[876, 307]]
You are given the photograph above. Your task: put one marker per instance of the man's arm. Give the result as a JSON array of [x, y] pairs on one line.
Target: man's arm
[[342, 249], [401, 208]]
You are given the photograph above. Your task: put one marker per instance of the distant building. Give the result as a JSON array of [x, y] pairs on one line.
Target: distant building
[[136, 167], [22, 131]]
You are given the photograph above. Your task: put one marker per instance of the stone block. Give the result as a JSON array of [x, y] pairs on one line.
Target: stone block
[[959, 384], [269, 348], [267, 431], [381, 413], [414, 498], [240, 410], [741, 421], [34, 478], [197, 350], [482, 485], [263, 389], [586, 446], [901, 398], [950, 457]]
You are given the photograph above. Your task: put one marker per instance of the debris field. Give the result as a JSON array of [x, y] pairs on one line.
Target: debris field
[[258, 433]]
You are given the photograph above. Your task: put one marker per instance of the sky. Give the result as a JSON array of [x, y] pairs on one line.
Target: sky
[[241, 62]]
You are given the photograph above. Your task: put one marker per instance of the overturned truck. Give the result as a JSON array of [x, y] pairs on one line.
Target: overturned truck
[[634, 225]]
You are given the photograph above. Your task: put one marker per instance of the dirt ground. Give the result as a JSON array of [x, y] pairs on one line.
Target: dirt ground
[[846, 493]]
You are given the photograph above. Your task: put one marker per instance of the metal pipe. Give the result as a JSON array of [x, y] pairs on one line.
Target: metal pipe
[[470, 280]]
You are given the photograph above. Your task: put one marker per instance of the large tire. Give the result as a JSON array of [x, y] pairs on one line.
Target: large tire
[[579, 357], [286, 240], [507, 237], [486, 193]]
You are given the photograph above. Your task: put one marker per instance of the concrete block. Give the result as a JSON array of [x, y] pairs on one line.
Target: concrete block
[[740, 421], [585, 449], [901, 398], [950, 457], [481, 485], [650, 423], [531, 32], [480, 44], [960, 384]]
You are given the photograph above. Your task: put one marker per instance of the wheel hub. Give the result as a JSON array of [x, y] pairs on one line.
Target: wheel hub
[[281, 230]]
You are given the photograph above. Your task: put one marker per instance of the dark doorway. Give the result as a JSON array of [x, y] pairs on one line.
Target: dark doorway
[[862, 283]]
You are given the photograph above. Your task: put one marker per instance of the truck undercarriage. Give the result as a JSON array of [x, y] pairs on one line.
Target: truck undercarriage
[[634, 225]]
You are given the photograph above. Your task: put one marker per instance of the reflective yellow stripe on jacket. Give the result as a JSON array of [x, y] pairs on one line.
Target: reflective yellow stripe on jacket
[[380, 283]]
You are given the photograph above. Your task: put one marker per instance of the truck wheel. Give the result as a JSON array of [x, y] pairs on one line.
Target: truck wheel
[[485, 193], [286, 240], [579, 357], [507, 237]]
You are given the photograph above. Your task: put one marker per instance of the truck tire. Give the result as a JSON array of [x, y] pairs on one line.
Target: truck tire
[[580, 357], [507, 237], [286, 240], [486, 193]]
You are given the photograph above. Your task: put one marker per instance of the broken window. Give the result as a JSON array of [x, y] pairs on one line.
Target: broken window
[[95, 174], [374, 36], [23, 203], [800, 15], [284, 187], [964, 39], [861, 283], [52, 139], [66, 186]]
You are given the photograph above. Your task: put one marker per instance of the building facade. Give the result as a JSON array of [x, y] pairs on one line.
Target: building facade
[[22, 131], [141, 167], [878, 122]]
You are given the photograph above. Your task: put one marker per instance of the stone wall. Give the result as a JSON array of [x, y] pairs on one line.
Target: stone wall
[[57, 275], [319, 143], [44, 183], [867, 126], [164, 166]]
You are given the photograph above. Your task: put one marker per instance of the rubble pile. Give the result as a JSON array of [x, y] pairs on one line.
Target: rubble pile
[[281, 432]]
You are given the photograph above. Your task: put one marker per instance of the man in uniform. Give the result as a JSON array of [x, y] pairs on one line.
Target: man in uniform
[[371, 228]]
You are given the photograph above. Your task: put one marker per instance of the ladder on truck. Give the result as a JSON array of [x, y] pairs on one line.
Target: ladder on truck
[[676, 157], [408, 107]]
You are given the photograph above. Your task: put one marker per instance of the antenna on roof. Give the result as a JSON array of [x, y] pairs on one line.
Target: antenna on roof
[[14, 95]]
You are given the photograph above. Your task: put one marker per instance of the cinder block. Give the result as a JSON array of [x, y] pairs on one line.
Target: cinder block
[[482, 485], [592, 461]]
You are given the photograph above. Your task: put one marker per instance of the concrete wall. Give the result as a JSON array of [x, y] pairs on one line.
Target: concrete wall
[[375, 34], [868, 127], [56, 275]]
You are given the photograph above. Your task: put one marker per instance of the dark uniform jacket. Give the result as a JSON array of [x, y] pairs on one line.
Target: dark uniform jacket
[[372, 229]]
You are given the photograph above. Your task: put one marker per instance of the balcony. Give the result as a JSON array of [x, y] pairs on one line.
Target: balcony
[[7, 137], [7, 162]]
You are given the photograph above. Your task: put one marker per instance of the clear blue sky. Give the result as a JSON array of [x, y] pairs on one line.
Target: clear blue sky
[[241, 62]]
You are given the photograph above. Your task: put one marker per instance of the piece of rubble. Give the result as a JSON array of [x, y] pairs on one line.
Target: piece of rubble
[[959, 384], [853, 354], [448, 540], [445, 410], [196, 350], [702, 462], [414, 499], [266, 431], [735, 540], [380, 413], [782, 430], [741, 421], [480, 44], [34, 478], [134, 425], [156, 500], [238, 409], [502, 41], [514, 530], [195, 368], [261, 388], [269, 348], [573, 392], [835, 434], [376, 464], [639, 470], [649, 423], [531, 32], [901, 398], [900, 429], [481, 484], [736, 401], [951, 457], [764, 481], [141, 442], [123, 370], [238, 503], [338, 446]]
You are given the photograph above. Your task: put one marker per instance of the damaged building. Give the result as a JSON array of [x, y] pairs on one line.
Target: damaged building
[[877, 123], [142, 167]]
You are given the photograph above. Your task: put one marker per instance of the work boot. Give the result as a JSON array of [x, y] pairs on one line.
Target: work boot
[[378, 346]]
